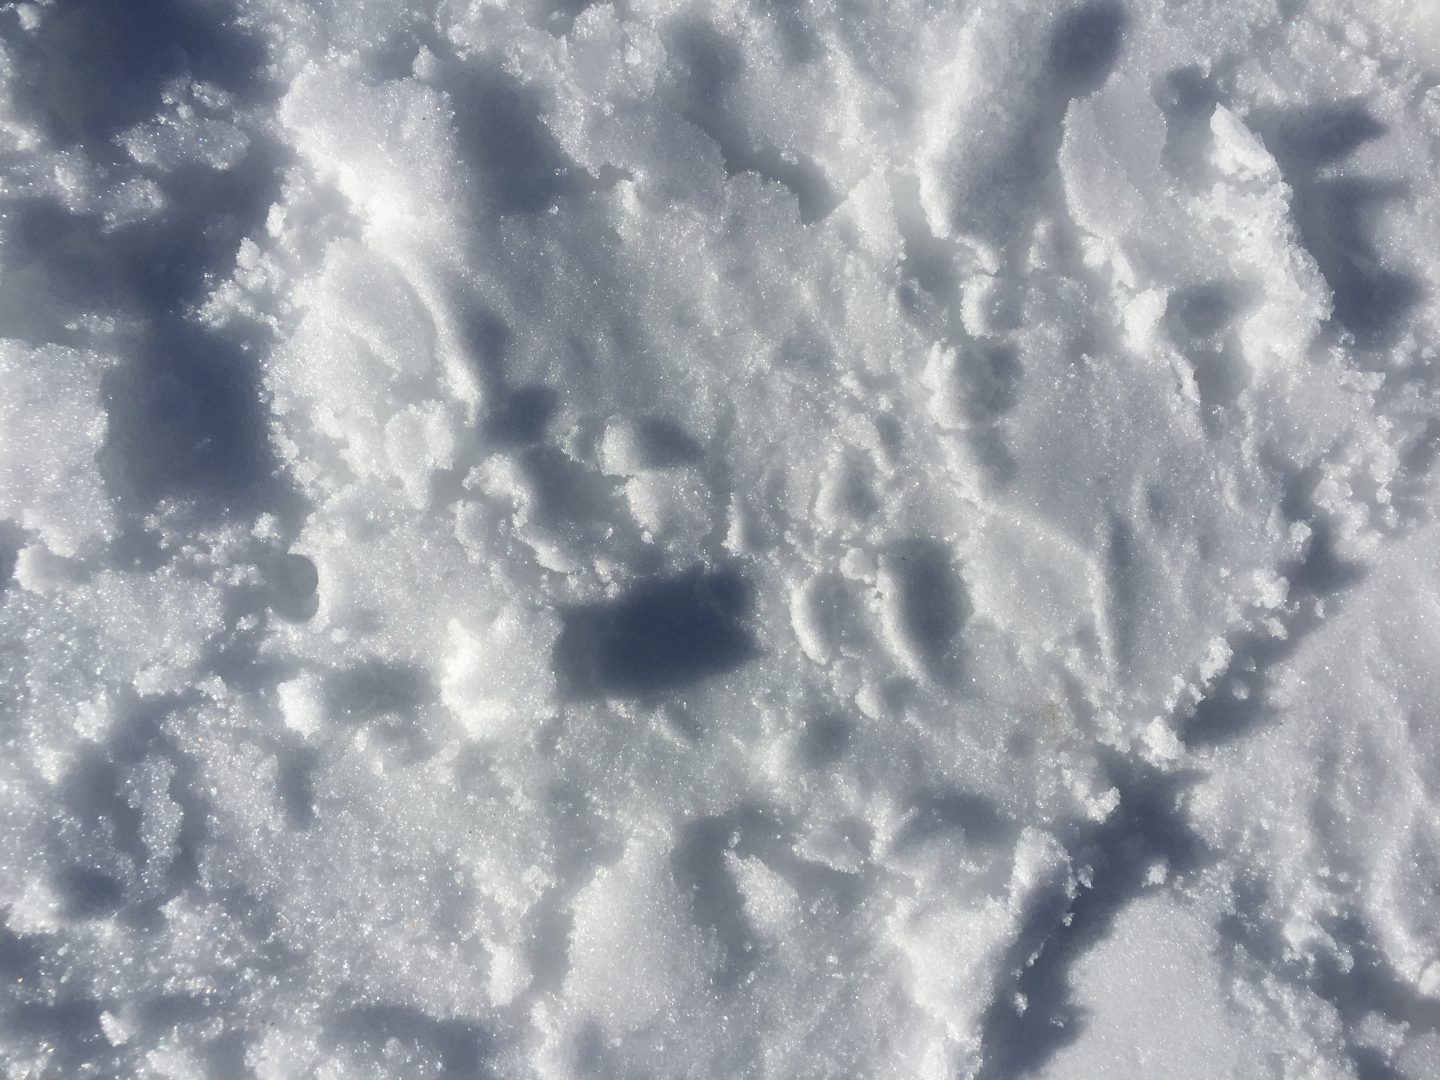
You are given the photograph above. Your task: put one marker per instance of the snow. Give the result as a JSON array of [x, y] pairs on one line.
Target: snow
[[807, 539]]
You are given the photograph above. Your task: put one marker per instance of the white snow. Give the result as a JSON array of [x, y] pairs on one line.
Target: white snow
[[814, 538]]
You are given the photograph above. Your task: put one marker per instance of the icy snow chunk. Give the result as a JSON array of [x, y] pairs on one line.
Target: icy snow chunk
[[1237, 152], [302, 705], [497, 676], [172, 141], [869, 207], [636, 955], [671, 506], [509, 975], [52, 425], [390, 148], [40, 570], [1347, 694], [419, 441], [1110, 155], [826, 615], [370, 386], [1160, 961], [957, 951], [1253, 211], [771, 902]]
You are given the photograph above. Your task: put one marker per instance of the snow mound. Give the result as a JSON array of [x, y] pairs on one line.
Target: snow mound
[[719, 540]]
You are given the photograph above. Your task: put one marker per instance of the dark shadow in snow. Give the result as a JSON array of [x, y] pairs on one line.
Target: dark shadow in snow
[[805, 348], [713, 63], [1370, 985], [185, 419], [700, 869], [11, 540], [1201, 320], [592, 1053], [664, 444], [386, 698], [292, 584], [505, 144], [376, 688], [1410, 493], [98, 833], [170, 1010], [88, 894], [1335, 218], [1322, 575], [60, 263], [1359, 987], [930, 604], [46, 1017], [1336, 214], [501, 138], [225, 1057], [1312, 136], [93, 69], [1125, 588], [801, 41], [1148, 826], [661, 637], [975, 817], [992, 452], [294, 782], [184, 414], [65, 1034], [92, 793], [186, 422], [1199, 314], [930, 261], [1086, 45], [97, 846], [487, 336], [993, 374], [564, 489], [825, 739], [558, 16], [1000, 184], [521, 416], [19, 958], [461, 1048], [64, 1029], [1188, 96], [547, 948]]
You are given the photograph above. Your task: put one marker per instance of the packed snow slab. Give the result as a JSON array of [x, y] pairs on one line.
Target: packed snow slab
[[725, 539]]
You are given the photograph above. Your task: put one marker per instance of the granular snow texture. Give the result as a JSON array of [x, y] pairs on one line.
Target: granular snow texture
[[735, 538]]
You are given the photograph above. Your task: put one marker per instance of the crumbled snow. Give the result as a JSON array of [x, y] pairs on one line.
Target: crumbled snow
[[723, 539]]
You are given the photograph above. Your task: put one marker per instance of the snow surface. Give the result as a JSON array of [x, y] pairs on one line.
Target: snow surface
[[738, 538]]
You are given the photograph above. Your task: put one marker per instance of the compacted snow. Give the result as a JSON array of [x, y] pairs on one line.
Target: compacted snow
[[753, 538]]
